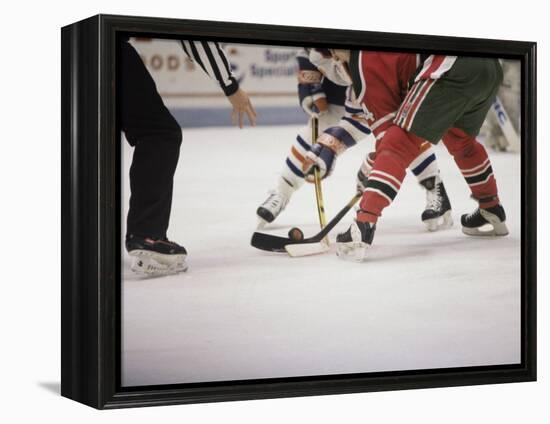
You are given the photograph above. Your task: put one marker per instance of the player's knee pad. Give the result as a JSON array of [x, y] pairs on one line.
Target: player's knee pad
[[401, 144], [459, 144]]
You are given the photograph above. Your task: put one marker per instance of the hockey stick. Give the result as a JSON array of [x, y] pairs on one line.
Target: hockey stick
[[506, 126], [273, 243], [317, 178]]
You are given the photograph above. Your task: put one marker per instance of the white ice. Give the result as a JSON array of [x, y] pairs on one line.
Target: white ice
[[421, 300]]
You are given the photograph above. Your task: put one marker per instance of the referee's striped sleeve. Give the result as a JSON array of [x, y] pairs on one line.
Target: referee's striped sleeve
[[213, 61]]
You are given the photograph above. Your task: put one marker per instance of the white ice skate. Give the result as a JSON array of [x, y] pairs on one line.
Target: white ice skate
[[271, 208], [437, 215], [485, 222], [353, 243]]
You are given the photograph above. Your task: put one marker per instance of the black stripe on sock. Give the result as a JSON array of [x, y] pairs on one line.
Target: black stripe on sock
[[480, 177], [383, 187]]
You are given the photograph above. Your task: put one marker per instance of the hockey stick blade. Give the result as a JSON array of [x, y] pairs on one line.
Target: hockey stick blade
[[273, 243], [269, 242], [298, 250]]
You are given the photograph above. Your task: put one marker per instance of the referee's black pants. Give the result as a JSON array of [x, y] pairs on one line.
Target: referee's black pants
[[156, 137]]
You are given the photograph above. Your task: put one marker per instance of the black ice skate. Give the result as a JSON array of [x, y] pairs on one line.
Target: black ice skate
[[437, 214], [271, 208], [353, 243], [155, 257], [485, 222]]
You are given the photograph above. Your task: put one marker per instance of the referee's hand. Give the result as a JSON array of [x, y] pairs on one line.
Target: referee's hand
[[241, 106]]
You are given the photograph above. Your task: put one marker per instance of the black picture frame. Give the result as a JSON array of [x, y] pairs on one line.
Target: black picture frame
[[90, 177]]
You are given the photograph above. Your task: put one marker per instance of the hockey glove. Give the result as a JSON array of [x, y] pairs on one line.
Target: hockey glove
[[323, 156], [320, 157], [311, 94]]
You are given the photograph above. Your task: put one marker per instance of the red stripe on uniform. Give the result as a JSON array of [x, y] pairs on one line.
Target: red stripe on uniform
[[436, 63], [476, 169], [418, 101], [390, 179], [405, 104], [479, 170]]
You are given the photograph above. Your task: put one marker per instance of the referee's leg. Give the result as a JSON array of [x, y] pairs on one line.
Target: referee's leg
[[156, 136]]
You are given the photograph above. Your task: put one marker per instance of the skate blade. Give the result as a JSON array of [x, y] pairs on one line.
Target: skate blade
[[355, 251], [487, 230], [151, 264], [494, 228], [440, 223], [307, 249]]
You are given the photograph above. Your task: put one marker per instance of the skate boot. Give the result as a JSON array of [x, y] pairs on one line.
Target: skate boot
[[485, 222], [271, 208], [437, 214], [155, 257], [353, 243]]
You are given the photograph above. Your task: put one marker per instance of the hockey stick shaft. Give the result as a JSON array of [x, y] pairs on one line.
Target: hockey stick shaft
[[274, 243], [317, 178], [506, 126], [321, 234]]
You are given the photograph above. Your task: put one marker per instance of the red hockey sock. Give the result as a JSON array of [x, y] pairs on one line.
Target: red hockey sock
[[395, 152], [474, 164]]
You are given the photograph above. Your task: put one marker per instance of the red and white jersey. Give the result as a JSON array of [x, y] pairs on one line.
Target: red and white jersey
[[381, 81]]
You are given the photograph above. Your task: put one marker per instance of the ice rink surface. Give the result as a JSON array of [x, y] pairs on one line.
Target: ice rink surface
[[421, 300]]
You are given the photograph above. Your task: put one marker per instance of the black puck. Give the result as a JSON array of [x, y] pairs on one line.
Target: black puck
[[295, 234]]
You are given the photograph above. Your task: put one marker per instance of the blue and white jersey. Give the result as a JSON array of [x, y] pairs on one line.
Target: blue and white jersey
[[353, 126], [334, 93]]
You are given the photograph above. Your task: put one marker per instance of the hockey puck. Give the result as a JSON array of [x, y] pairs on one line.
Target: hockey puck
[[295, 234]]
